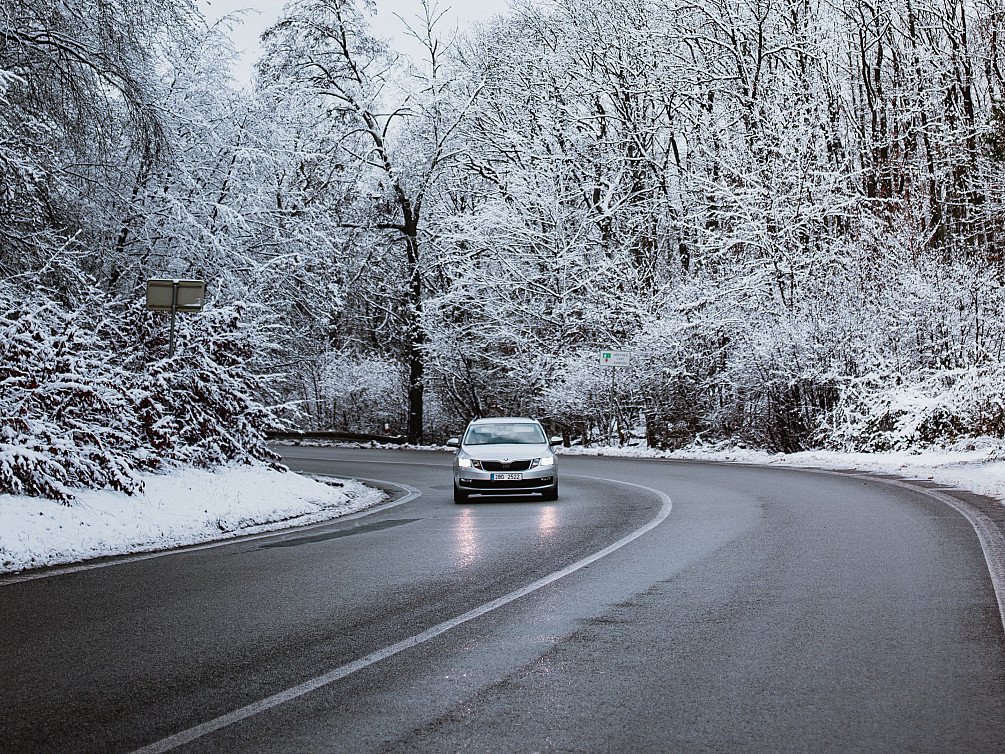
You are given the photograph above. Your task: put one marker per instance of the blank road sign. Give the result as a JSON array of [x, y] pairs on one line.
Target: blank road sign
[[191, 295]]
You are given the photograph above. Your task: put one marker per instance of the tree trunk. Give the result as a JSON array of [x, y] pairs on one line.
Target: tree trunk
[[416, 337], [416, 371]]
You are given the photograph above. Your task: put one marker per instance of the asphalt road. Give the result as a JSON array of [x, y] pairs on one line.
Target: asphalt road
[[656, 607]]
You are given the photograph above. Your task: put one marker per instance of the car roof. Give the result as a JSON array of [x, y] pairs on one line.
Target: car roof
[[504, 420]]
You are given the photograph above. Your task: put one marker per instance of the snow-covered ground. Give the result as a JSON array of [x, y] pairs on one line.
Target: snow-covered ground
[[189, 506], [976, 467], [183, 507]]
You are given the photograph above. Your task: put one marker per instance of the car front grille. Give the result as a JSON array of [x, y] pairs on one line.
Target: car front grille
[[504, 466]]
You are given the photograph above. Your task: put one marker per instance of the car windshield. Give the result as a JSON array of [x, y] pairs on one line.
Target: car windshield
[[517, 433]]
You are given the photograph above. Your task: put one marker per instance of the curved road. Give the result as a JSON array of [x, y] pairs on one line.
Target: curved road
[[656, 607]]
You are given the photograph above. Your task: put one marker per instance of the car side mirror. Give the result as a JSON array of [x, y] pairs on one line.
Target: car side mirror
[[453, 442]]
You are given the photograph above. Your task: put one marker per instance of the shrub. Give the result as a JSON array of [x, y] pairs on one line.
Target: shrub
[[66, 409], [87, 403]]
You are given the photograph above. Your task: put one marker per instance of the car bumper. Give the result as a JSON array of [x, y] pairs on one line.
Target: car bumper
[[476, 482]]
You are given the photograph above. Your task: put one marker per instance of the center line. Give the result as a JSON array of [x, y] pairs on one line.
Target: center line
[[243, 713]]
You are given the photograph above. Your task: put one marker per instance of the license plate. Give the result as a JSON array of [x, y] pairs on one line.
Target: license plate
[[506, 477]]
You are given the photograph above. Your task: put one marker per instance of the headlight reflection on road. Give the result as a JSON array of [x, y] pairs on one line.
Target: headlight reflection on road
[[547, 520], [465, 538]]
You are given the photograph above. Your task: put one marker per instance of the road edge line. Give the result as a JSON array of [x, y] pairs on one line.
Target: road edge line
[[988, 534]]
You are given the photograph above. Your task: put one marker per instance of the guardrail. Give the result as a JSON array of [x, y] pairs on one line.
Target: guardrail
[[343, 436]]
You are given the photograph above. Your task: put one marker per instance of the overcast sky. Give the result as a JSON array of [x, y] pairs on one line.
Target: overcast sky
[[263, 13]]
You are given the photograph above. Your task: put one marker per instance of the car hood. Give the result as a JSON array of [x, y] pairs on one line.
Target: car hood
[[512, 452]]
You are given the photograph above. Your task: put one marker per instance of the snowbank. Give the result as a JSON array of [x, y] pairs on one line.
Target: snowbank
[[184, 507], [977, 468]]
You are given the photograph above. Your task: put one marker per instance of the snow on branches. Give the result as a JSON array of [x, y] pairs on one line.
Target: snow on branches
[[203, 406], [85, 405], [65, 406]]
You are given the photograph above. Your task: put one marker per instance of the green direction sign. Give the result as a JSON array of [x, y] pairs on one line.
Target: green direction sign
[[614, 358]]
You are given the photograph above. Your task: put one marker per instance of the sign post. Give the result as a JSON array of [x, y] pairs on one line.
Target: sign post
[[175, 296], [613, 359]]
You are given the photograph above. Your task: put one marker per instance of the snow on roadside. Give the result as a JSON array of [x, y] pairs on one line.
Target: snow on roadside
[[975, 468], [183, 507]]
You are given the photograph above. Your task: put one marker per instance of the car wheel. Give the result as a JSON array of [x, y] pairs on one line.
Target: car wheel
[[460, 496], [552, 494]]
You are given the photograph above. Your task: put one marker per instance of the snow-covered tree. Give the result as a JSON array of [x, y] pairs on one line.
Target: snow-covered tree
[[393, 144]]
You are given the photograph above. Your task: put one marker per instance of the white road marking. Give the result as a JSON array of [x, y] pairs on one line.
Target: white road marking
[[198, 731]]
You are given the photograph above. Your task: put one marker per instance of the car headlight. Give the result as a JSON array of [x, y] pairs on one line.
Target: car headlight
[[546, 461], [464, 463]]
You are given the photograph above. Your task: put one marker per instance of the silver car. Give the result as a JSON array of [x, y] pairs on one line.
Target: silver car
[[504, 456]]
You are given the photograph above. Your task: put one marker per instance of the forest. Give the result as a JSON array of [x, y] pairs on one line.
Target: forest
[[786, 211]]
